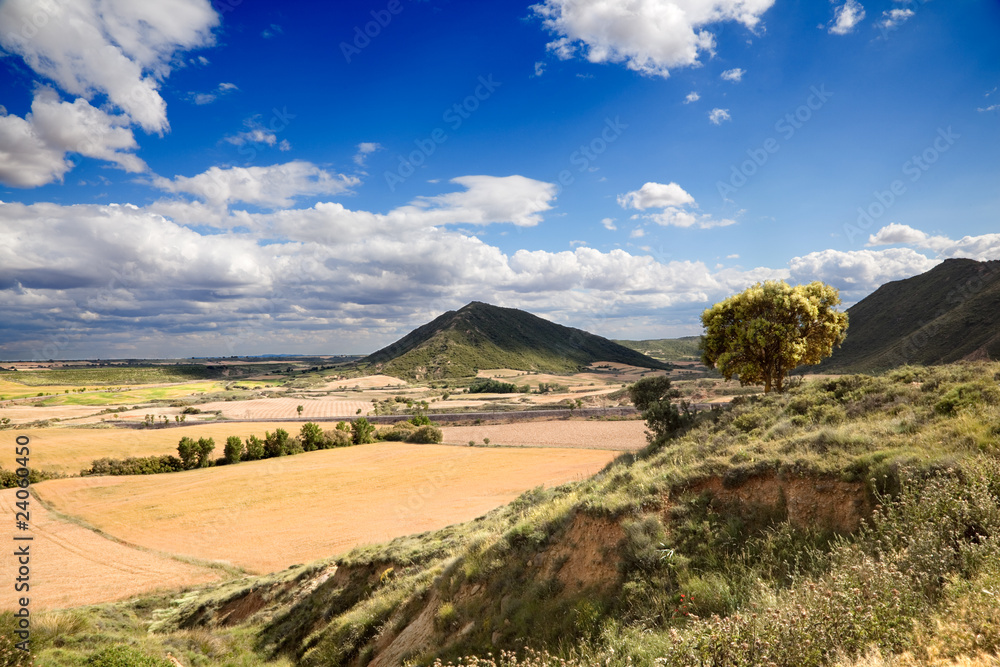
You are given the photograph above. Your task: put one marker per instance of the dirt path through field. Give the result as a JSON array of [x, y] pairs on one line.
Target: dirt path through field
[[71, 565]]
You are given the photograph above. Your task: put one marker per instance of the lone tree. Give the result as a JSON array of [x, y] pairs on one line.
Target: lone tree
[[771, 328]]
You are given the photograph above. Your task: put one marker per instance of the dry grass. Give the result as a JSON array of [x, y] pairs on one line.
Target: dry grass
[[616, 435], [70, 450], [72, 565], [267, 515], [21, 413]]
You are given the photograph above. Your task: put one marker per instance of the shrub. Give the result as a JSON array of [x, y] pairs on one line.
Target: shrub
[[826, 414], [311, 437], [446, 616], [234, 449], [489, 386], [276, 444], [205, 448], [398, 432], [9, 479], [337, 438], [426, 435], [254, 449], [652, 397], [149, 465], [187, 450], [967, 395], [364, 431], [122, 655]]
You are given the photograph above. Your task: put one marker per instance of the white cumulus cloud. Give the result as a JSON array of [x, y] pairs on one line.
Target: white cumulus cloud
[[655, 195], [365, 148], [983, 247], [118, 48], [208, 98], [273, 186], [486, 199], [33, 149], [895, 17], [679, 208], [648, 36], [718, 116], [858, 272], [846, 17], [734, 75], [692, 97]]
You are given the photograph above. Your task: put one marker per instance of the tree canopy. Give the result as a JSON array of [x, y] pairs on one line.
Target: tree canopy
[[765, 331]]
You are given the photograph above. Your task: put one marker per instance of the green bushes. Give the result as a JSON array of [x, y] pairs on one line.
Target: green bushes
[[197, 453], [398, 432], [363, 431], [276, 444], [426, 435], [9, 479], [149, 465], [234, 449], [490, 386], [653, 396], [254, 450], [967, 395], [122, 655]]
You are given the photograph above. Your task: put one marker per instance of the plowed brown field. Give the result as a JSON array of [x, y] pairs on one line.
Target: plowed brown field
[[280, 408]]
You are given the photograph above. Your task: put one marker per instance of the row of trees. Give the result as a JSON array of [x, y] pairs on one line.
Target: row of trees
[[193, 453]]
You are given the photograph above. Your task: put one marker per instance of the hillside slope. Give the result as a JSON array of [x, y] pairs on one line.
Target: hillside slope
[[949, 313], [482, 336], [713, 547]]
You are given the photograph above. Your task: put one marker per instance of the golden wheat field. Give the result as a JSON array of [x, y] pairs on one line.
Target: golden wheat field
[[72, 565], [267, 515], [69, 450]]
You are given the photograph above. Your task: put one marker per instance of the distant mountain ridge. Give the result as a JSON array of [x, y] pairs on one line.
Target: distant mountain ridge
[[949, 313], [482, 336]]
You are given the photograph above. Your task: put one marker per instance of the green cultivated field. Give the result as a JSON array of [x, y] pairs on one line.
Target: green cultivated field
[[111, 376]]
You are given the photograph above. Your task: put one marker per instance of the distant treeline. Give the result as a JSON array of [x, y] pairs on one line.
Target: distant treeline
[[193, 453]]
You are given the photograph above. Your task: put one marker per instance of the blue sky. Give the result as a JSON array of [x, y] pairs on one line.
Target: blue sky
[[191, 178]]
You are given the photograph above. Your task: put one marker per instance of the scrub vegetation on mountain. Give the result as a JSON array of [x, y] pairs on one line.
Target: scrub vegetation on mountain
[[481, 336]]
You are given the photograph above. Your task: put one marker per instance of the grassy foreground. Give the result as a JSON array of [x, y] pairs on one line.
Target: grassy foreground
[[851, 521]]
